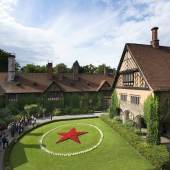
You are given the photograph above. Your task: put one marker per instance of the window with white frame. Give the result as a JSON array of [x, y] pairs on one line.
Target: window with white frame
[[123, 97], [53, 95], [135, 99], [128, 79]]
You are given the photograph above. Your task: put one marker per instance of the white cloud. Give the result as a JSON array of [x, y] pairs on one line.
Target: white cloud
[[95, 37]]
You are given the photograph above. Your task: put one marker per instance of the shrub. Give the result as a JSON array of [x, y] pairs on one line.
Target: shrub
[[31, 109], [129, 124], [151, 112], [66, 110], [12, 108], [40, 111], [3, 124], [157, 154], [75, 111], [114, 105], [56, 112], [117, 118]]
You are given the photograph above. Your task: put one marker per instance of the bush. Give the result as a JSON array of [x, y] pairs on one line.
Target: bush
[[40, 111], [129, 124], [117, 118], [56, 112], [151, 115], [31, 109], [66, 110], [157, 154], [114, 105]]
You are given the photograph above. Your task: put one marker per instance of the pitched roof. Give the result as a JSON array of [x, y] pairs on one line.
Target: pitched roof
[[76, 64], [154, 64], [39, 82]]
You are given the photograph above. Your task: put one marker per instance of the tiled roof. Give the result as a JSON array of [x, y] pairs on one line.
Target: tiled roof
[[39, 82], [154, 63]]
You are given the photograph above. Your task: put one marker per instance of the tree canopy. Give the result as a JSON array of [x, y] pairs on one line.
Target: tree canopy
[[63, 68]]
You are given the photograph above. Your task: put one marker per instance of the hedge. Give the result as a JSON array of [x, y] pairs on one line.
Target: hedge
[[158, 155], [151, 115], [114, 107]]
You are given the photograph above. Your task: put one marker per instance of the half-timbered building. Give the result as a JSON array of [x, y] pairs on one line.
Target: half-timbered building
[[144, 70], [50, 86]]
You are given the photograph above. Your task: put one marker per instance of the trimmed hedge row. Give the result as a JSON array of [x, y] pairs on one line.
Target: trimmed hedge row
[[6, 158], [157, 154]]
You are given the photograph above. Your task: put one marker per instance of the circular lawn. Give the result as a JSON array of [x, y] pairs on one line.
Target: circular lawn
[[75, 144]]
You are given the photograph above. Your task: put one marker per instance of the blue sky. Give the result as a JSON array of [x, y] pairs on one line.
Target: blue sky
[[90, 31]]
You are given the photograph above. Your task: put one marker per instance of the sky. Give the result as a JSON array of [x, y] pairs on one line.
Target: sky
[[90, 31]]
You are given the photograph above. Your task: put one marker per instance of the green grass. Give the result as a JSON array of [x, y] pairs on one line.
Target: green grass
[[114, 153]]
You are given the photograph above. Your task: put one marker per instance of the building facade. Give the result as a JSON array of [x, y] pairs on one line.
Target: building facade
[[144, 70], [15, 87]]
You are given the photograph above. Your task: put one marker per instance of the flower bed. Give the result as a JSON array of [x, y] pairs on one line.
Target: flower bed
[[71, 153]]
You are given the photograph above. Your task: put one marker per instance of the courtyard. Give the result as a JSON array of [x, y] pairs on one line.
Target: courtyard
[[100, 148]]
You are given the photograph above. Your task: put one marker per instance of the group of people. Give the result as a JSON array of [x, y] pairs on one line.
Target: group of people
[[15, 128]]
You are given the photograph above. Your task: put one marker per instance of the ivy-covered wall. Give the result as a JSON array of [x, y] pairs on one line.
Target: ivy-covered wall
[[164, 112], [86, 101], [152, 118], [2, 101]]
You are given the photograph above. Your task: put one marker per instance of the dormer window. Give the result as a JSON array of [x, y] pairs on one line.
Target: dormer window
[[128, 79]]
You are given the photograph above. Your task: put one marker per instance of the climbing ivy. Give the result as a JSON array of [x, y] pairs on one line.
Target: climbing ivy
[[151, 115], [114, 107]]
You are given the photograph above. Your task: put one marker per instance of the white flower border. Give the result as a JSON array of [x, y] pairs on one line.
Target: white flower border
[[72, 153]]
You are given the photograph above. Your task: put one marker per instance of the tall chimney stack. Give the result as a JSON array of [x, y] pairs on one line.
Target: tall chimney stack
[[11, 68], [155, 41], [50, 70]]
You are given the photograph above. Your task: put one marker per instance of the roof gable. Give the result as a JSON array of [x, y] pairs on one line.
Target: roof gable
[[129, 64], [53, 87], [154, 63], [104, 85]]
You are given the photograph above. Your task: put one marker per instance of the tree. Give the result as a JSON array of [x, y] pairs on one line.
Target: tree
[[88, 69], [31, 109], [61, 68], [151, 115], [4, 61], [17, 67], [101, 68], [31, 68], [114, 107]]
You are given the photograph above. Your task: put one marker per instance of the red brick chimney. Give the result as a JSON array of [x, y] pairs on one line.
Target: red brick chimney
[[50, 70], [155, 41]]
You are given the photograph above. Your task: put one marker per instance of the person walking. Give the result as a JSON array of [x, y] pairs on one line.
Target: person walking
[[0, 141], [4, 141]]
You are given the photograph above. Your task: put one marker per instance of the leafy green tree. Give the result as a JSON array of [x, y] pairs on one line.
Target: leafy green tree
[[4, 60], [61, 68], [17, 67], [100, 69], [114, 107], [151, 115], [31, 68], [88, 69], [31, 109]]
